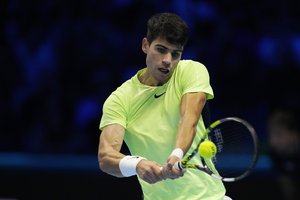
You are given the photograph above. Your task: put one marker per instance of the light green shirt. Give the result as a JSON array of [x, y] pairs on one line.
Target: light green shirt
[[150, 117]]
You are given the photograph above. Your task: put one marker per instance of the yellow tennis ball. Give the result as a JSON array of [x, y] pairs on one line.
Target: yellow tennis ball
[[207, 149]]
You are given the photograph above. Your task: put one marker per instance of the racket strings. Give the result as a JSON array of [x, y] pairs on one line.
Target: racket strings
[[235, 148]]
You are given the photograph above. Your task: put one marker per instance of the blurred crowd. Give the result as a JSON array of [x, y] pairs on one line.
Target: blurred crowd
[[60, 60], [284, 149]]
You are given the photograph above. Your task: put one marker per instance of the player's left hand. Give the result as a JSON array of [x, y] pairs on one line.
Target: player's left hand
[[169, 171]]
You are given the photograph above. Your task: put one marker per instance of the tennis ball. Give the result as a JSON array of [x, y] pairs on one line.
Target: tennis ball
[[207, 149]]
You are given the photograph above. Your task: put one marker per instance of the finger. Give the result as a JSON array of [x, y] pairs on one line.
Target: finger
[[177, 172], [170, 166], [169, 169], [157, 173], [161, 173], [164, 172], [149, 178]]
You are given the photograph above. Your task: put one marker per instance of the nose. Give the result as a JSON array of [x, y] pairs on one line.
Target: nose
[[167, 59]]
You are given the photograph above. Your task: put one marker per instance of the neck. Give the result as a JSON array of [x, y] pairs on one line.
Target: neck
[[146, 79]]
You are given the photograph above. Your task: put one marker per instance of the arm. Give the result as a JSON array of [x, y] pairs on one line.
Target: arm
[[109, 156], [110, 143], [190, 109]]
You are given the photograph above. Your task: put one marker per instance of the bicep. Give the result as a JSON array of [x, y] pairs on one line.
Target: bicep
[[192, 104]]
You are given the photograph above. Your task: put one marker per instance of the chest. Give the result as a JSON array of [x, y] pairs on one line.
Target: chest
[[159, 106]]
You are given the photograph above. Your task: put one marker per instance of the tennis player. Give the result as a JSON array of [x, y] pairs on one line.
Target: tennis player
[[158, 114]]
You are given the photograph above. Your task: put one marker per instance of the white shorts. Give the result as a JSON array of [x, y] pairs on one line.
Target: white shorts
[[227, 198]]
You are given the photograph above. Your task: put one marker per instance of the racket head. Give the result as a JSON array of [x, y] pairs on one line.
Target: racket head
[[237, 149]]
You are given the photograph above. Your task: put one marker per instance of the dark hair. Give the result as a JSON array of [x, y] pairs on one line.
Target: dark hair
[[285, 117], [168, 26]]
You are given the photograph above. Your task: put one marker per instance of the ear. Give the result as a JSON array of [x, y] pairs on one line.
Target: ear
[[145, 45]]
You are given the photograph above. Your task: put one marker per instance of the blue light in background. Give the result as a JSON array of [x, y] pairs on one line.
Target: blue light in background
[[90, 162], [295, 43], [267, 50]]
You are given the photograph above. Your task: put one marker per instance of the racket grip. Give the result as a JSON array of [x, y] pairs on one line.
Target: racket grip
[[178, 166]]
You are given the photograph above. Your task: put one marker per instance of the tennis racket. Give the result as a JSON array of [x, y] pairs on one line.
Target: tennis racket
[[237, 150]]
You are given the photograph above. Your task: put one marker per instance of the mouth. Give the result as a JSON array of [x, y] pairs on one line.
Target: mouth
[[164, 70]]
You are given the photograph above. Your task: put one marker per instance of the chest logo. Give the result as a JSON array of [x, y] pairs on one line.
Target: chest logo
[[158, 95]]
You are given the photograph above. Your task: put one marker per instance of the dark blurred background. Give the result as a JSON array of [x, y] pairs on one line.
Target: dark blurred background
[[61, 59]]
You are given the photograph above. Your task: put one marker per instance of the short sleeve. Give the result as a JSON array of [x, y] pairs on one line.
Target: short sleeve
[[195, 78], [113, 112]]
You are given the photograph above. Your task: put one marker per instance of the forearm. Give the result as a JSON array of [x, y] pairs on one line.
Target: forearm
[[186, 132], [109, 155], [190, 111], [185, 135], [119, 165], [109, 162]]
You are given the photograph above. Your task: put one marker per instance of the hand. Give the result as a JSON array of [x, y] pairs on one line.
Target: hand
[[169, 171], [149, 171]]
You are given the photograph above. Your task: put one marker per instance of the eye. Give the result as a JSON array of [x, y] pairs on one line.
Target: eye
[[176, 55], [161, 50]]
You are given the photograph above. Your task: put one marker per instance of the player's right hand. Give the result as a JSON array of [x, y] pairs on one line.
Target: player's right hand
[[169, 171], [149, 171]]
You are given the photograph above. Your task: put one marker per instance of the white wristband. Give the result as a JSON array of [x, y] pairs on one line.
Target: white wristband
[[128, 165], [177, 152]]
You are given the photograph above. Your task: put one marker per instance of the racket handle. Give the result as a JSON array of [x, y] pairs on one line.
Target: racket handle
[[178, 166]]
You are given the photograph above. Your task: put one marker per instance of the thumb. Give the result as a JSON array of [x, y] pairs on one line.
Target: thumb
[[169, 166]]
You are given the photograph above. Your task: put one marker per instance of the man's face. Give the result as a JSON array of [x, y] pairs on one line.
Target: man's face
[[162, 58]]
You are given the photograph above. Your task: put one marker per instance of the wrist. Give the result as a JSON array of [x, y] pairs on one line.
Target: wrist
[[127, 165], [178, 153]]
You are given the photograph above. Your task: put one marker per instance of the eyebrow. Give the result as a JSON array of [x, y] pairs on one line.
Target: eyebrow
[[175, 50]]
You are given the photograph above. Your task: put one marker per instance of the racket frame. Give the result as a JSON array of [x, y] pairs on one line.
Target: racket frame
[[183, 164]]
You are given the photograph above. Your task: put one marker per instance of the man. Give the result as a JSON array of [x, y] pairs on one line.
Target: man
[[284, 149], [158, 114]]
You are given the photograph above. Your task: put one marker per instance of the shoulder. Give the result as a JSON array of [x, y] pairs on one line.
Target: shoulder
[[120, 95], [190, 67], [187, 63]]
